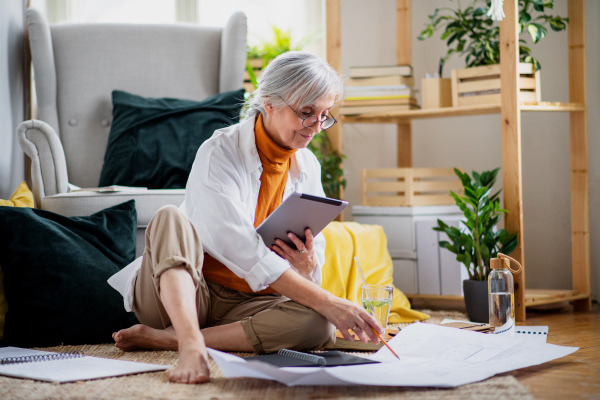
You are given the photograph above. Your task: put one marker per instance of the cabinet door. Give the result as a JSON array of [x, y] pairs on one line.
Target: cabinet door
[[399, 232], [405, 275], [428, 259]]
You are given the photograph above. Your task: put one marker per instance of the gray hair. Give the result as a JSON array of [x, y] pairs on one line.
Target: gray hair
[[297, 77]]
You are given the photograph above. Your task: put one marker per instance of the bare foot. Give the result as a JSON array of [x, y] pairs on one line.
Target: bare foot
[[192, 366], [143, 337]]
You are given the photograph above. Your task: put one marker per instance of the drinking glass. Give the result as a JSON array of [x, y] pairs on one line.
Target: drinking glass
[[377, 300]]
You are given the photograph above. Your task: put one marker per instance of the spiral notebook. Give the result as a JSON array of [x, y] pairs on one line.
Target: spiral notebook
[[291, 358], [65, 367]]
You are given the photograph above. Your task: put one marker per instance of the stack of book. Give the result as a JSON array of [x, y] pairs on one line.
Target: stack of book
[[379, 90]]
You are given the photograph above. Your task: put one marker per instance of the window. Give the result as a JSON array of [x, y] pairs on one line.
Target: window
[[304, 18]]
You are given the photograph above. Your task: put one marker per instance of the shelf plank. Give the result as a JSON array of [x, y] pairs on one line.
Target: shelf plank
[[423, 113], [533, 297], [552, 106], [536, 297], [459, 111]]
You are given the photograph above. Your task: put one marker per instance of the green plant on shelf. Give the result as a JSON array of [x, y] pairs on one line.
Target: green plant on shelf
[[479, 241], [472, 33]]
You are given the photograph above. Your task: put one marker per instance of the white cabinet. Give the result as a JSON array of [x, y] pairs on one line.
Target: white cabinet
[[420, 265]]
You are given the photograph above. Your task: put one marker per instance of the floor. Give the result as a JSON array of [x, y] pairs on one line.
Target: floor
[[576, 376]]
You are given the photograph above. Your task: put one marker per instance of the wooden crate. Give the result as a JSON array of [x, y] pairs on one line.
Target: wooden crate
[[481, 85], [408, 187]]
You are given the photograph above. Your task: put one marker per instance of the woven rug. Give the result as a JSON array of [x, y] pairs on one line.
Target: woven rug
[[156, 385]]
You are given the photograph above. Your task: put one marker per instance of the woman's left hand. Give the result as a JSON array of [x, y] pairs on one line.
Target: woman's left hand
[[304, 258]]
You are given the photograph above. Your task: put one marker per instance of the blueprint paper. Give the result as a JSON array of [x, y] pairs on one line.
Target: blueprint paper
[[430, 355]]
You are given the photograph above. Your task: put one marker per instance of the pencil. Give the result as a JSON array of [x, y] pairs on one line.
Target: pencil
[[384, 342]]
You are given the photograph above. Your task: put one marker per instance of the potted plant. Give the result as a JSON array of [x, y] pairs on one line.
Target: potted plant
[[332, 174], [479, 240], [472, 33]]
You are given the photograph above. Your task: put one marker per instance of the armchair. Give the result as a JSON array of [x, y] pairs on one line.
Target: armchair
[[76, 68]]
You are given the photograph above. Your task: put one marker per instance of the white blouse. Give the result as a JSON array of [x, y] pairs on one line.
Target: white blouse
[[220, 200]]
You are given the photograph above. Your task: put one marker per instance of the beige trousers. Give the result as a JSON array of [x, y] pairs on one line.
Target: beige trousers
[[271, 322]]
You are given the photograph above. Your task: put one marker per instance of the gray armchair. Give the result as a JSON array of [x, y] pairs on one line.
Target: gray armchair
[[76, 68]]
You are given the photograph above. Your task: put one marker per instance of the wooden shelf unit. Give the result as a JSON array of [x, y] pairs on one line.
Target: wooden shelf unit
[[510, 111]]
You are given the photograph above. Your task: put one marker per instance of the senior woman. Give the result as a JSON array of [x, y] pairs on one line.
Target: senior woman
[[206, 277]]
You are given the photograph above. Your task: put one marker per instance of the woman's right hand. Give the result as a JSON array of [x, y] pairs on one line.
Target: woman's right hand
[[342, 313], [348, 316]]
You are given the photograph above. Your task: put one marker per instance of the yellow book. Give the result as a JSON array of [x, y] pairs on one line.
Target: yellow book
[[345, 110], [390, 97], [381, 81], [380, 102], [380, 70]]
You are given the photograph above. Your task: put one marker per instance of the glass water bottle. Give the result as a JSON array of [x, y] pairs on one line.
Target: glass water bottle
[[501, 292]]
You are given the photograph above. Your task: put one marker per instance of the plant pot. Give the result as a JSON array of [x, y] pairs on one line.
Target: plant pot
[[476, 300]]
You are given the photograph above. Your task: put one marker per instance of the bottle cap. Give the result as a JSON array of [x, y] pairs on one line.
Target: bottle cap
[[503, 261], [498, 263]]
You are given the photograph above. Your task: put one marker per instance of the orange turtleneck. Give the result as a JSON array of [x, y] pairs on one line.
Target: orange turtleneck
[[276, 165]]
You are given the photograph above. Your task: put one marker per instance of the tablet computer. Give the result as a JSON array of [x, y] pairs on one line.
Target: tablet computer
[[298, 212]]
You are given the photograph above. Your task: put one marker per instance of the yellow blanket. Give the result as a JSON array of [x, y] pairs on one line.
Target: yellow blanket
[[346, 240]]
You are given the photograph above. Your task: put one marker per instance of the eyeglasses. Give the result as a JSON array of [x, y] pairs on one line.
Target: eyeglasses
[[311, 120]]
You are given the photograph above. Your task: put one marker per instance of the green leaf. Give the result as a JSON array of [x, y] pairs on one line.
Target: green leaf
[[480, 11], [480, 192], [485, 252], [449, 247], [558, 24], [471, 193], [524, 17], [488, 178], [509, 247], [536, 31], [442, 224], [467, 259]]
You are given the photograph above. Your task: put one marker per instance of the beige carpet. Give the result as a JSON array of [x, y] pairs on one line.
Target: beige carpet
[[156, 385]]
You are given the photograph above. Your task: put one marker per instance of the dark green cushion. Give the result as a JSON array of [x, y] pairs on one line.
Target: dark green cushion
[[55, 272], [153, 142]]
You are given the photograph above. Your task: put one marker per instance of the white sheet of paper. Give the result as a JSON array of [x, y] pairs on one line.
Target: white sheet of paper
[[70, 370], [430, 355], [535, 333]]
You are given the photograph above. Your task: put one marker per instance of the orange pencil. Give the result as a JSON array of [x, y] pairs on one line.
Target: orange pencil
[[384, 342]]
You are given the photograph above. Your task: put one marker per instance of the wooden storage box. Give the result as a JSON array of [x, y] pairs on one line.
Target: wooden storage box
[[481, 85], [407, 187], [436, 93]]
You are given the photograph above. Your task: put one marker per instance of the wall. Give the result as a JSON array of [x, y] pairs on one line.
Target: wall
[[11, 94], [474, 143]]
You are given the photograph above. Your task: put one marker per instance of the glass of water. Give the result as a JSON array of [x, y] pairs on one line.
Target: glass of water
[[377, 300]]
